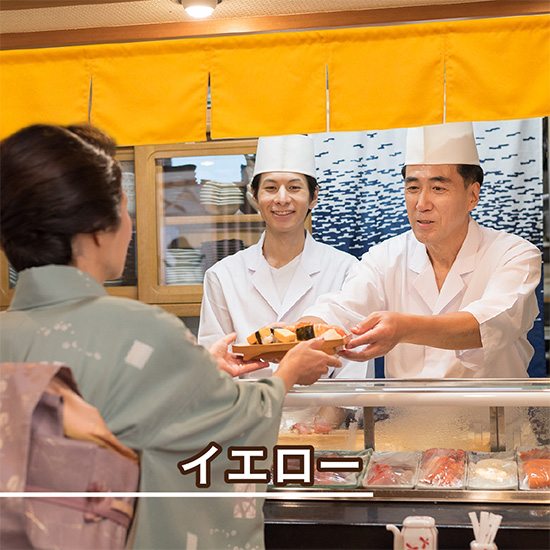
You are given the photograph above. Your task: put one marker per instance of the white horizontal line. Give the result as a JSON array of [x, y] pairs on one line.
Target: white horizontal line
[[276, 494]]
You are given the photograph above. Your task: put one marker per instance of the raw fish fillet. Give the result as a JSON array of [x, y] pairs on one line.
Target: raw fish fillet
[[537, 472]]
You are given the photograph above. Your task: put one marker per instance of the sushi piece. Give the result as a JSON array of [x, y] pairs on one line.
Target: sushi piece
[[322, 329], [284, 335], [305, 332], [331, 334], [262, 336]]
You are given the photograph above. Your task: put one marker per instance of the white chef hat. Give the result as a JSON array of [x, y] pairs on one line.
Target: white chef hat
[[292, 153], [449, 143]]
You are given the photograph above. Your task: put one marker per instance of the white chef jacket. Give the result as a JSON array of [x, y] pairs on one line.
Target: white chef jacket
[[494, 277], [240, 296]]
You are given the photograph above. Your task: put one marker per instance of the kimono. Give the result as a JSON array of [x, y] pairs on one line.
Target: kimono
[[494, 277], [160, 394]]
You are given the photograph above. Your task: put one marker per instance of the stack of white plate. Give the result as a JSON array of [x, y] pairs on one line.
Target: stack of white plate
[[184, 267], [214, 251], [182, 200], [221, 198]]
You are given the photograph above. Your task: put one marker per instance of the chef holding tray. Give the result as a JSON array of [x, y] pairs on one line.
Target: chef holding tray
[[276, 279], [449, 298]]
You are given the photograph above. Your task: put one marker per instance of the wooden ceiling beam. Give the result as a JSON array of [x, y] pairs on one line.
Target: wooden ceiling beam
[[250, 25], [6, 5]]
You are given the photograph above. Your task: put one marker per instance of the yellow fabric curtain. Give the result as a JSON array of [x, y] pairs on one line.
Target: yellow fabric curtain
[[152, 92], [386, 77], [498, 69], [268, 84], [378, 77], [49, 86]]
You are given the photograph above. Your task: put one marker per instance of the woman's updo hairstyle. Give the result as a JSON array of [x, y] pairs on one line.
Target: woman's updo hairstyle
[[55, 182]]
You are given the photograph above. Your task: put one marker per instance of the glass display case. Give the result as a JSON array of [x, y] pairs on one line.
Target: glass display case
[[391, 426], [408, 425]]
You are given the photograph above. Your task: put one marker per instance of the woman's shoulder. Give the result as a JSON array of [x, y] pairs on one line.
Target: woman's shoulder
[[126, 312]]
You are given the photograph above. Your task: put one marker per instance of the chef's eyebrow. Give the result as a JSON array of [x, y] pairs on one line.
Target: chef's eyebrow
[[275, 181], [440, 179]]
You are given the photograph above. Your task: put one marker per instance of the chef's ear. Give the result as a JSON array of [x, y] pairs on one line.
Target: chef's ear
[[474, 189], [315, 197]]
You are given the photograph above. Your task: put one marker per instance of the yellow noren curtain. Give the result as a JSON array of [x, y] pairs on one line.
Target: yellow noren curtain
[[498, 69], [378, 77], [153, 92], [268, 84], [386, 77], [50, 86]]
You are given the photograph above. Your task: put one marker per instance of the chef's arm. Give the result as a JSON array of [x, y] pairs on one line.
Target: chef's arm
[[381, 331]]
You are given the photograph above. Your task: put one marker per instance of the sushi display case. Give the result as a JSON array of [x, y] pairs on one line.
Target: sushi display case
[[437, 448], [419, 440]]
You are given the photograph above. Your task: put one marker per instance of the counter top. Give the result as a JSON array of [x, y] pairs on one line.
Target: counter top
[[425, 392], [362, 525]]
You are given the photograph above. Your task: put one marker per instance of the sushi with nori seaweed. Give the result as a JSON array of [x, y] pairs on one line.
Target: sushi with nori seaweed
[[305, 332]]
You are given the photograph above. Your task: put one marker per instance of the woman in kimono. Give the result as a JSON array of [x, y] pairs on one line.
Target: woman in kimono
[[276, 279], [65, 228]]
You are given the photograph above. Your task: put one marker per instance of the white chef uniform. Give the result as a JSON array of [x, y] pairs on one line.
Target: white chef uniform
[[494, 277], [240, 296]]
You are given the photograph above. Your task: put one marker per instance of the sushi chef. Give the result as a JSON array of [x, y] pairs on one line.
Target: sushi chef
[[448, 298], [277, 278]]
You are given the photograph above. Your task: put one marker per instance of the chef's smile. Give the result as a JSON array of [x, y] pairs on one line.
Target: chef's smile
[[282, 213]]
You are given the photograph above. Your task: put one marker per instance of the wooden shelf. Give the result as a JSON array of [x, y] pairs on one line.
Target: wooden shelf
[[229, 218]]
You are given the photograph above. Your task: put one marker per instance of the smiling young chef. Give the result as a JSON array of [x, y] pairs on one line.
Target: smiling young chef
[[448, 298], [277, 278]]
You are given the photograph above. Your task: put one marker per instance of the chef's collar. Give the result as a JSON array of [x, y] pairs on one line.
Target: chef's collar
[[465, 259], [310, 260]]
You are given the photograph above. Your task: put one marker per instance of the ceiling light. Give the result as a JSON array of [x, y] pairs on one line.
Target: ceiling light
[[199, 8]]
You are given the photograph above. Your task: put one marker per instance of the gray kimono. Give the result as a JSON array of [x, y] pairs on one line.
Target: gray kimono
[[159, 393]]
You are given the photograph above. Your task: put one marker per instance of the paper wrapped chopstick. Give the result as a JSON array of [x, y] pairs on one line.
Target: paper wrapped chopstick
[[486, 528]]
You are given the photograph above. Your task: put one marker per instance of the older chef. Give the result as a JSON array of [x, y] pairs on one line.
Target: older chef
[[277, 278], [448, 298]]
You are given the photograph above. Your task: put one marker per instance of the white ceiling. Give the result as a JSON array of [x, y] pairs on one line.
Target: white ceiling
[[109, 13]]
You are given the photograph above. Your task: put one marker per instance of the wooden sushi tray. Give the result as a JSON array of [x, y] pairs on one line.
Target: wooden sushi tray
[[277, 350]]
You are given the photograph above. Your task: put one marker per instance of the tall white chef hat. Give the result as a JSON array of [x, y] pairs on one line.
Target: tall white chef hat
[[449, 143], [292, 153]]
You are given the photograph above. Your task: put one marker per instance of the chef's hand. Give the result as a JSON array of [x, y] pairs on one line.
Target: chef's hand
[[231, 362], [380, 332], [305, 363]]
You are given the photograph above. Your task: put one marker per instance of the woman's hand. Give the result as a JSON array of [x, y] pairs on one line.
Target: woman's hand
[[305, 363], [231, 362]]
